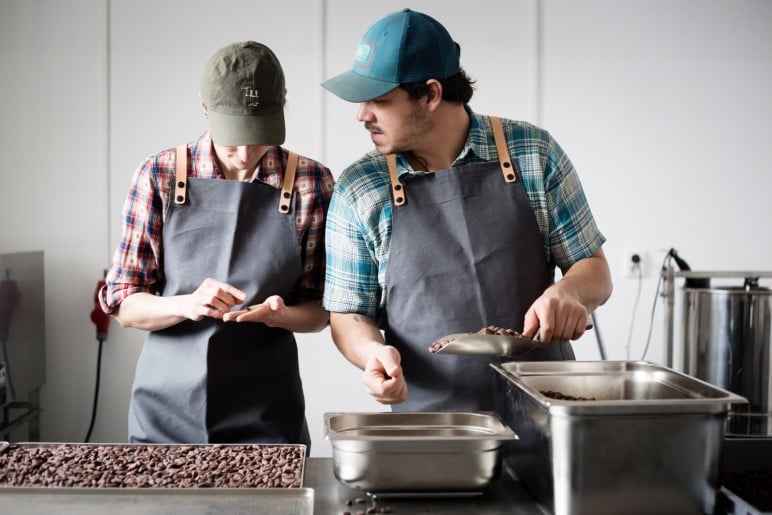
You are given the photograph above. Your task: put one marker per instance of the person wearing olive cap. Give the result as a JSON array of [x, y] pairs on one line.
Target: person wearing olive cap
[[454, 222], [221, 260]]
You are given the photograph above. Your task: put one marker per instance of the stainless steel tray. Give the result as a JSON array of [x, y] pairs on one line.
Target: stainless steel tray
[[44, 500], [416, 451], [616, 387], [204, 452], [649, 443], [156, 501]]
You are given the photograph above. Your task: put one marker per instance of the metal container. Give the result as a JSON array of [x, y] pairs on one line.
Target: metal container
[[649, 442], [404, 452], [34, 500], [727, 342]]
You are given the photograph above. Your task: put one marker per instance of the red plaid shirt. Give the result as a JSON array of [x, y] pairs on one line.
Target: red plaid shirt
[[135, 267]]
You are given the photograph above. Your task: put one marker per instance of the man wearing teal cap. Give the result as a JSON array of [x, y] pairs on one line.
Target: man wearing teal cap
[[221, 260], [455, 222]]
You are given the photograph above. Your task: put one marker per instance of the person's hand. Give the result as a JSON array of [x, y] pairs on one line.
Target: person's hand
[[559, 317], [383, 376], [269, 312], [212, 299]]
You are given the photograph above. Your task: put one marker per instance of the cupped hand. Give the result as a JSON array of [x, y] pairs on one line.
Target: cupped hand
[[383, 377], [268, 312]]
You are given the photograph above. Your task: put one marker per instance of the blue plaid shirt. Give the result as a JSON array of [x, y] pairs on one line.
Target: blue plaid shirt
[[358, 233]]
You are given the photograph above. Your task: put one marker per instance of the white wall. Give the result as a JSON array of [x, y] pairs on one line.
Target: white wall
[[662, 106]]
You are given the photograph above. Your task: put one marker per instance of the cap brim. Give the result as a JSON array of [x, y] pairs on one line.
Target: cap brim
[[231, 130], [352, 87]]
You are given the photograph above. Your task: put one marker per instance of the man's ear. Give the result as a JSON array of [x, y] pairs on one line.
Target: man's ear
[[434, 93]]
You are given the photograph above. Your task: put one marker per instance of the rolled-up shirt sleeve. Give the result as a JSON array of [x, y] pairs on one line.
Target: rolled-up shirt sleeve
[[135, 265]]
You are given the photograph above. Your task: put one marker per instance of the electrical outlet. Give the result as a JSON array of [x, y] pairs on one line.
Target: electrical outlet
[[636, 263]]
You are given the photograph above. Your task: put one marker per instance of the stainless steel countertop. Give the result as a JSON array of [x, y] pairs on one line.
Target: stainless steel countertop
[[320, 489], [505, 496]]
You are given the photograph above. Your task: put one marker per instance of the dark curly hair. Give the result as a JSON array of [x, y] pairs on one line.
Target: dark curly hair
[[456, 88]]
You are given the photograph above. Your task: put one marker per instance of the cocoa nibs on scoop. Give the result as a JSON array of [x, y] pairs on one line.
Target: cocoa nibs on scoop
[[491, 329]]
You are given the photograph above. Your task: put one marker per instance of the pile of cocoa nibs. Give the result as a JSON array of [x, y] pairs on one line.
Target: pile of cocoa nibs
[[563, 397], [153, 466]]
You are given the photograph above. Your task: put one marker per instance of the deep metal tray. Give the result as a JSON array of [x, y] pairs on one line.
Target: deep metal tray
[[649, 443], [416, 451]]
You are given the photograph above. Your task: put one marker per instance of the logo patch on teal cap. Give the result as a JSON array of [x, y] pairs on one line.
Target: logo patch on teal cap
[[365, 51]]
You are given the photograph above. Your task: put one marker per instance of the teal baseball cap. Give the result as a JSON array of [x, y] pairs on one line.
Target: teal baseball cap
[[404, 46], [243, 89]]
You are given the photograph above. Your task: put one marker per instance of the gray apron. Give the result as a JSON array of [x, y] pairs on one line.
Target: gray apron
[[209, 381], [466, 253]]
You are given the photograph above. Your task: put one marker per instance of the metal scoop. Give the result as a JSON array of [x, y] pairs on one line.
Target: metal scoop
[[487, 344]]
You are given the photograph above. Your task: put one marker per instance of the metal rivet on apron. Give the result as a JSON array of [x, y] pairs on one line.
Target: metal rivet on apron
[[398, 187], [180, 198], [284, 207], [286, 194], [507, 164], [399, 199], [510, 177], [181, 184]]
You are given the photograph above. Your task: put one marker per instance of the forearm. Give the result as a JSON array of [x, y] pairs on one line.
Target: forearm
[[588, 281], [149, 312], [356, 336], [306, 317]]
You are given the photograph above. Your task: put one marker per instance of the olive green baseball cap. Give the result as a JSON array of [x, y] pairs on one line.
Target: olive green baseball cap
[[243, 89]]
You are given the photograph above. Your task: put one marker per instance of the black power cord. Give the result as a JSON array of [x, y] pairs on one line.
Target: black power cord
[[96, 391]]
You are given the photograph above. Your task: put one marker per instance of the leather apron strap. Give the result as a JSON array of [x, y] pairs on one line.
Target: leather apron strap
[[288, 183], [181, 174], [397, 190], [501, 147]]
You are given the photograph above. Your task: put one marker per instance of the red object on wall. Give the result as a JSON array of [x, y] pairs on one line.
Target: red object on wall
[[100, 318]]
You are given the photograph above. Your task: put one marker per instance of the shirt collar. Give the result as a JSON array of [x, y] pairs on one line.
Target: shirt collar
[[203, 157], [472, 147]]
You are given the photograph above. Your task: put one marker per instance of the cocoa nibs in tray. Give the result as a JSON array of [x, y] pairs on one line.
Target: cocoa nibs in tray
[[563, 397], [153, 466]]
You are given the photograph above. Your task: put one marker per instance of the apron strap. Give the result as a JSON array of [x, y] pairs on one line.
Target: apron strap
[[507, 168], [396, 187], [181, 174], [288, 183]]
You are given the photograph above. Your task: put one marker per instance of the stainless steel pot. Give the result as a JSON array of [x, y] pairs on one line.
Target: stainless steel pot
[[727, 342]]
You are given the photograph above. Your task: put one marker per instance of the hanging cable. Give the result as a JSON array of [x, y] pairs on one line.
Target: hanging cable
[[665, 261], [601, 348], [635, 308], [102, 322]]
